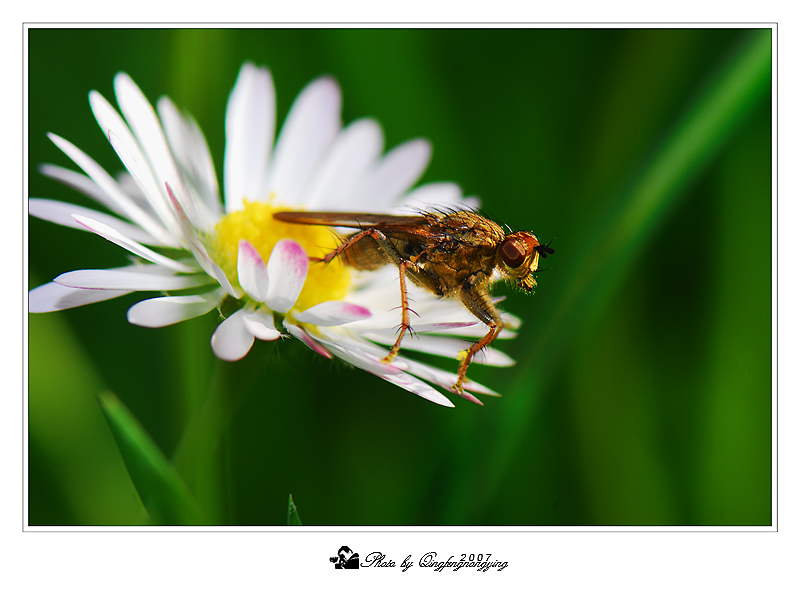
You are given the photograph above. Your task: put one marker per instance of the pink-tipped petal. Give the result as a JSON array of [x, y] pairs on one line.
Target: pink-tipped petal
[[334, 312], [252, 272], [287, 269], [301, 335], [232, 341]]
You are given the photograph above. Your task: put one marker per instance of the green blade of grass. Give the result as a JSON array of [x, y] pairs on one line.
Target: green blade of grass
[[630, 221], [164, 495], [68, 434], [292, 518]]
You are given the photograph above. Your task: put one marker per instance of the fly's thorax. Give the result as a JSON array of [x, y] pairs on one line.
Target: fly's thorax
[[471, 228]]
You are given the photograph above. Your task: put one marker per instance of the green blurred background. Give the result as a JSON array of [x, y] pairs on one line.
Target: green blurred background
[[642, 395]]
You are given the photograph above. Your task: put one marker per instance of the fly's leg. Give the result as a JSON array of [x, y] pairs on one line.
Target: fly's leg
[[405, 322], [475, 296], [394, 257], [465, 356], [347, 244]]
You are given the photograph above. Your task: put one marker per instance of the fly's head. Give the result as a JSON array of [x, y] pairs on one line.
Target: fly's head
[[518, 257]]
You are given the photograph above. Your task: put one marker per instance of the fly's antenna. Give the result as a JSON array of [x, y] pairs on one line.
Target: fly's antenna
[[544, 249]]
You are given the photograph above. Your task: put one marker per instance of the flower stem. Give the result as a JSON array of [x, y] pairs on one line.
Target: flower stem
[[197, 457]]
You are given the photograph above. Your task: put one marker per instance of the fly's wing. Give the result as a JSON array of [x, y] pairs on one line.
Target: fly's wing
[[408, 224], [403, 235]]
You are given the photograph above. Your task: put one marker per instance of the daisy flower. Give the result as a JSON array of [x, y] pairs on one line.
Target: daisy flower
[[197, 251]]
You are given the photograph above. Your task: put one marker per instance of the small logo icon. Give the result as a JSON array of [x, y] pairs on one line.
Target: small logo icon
[[345, 559]]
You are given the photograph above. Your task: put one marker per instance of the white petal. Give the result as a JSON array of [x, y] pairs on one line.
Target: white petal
[[51, 297], [99, 279], [252, 272], [151, 164], [478, 330], [442, 346], [133, 157], [198, 250], [310, 127], [191, 151], [128, 185], [454, 328], [354, 354], [301, 335], [395, 174], [144, 123], [136, 164], [511, 321], [287, 269], [87, 186], [232, 341], [334, 312], [335, 182], [116, 237], [249, 135], [122, 204], [447, 379], [439, 196], [399, 378], [161, 312], [261, 324], [61, 214], [433, 314]]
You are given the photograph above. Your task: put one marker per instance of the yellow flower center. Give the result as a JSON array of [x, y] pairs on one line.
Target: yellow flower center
[[255, 224]]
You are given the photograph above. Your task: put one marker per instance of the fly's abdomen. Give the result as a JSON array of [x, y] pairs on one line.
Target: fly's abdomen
[[365, 255]]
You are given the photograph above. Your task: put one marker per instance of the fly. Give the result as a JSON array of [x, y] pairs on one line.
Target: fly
[[459, 254]]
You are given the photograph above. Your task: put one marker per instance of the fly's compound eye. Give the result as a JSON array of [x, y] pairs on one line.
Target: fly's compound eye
[[513, 253]]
